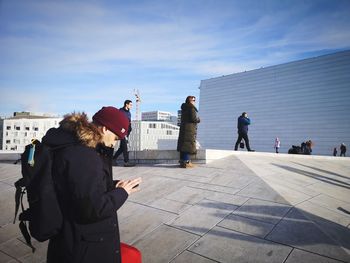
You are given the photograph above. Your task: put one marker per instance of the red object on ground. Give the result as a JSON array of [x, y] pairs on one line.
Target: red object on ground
[[130, 254]]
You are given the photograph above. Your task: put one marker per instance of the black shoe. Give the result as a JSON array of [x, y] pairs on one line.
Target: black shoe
[[129, 164], [251, 150]]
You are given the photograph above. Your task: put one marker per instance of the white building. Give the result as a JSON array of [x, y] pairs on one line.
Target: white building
[[150, 135], [19, 130], [156, 116], [296, 101]]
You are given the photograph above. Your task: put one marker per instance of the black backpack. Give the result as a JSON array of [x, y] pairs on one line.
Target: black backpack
[[43, 215]]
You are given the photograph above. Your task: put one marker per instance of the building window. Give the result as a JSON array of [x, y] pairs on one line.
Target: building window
[[18, 128], [8, 141], [8, 127], [169, 132], [27, 128], [35, 128]]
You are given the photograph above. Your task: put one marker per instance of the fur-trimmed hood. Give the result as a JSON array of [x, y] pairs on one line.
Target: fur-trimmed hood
[[74, 128]]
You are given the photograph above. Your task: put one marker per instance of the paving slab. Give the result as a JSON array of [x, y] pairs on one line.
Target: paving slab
[[271, 191], [189, 195], [15, 248], [164, 244], [261, 210], [332, 204], [39, 255], [7, 203], [299, 256], [136, 221], [316, 211], [298, 231], [154, 188], [216, 188], [225, 245], [4, 258], [203, 216], [170, 205], [190, 257], [227, 198], [246, 225], [336, 191], [331, 224], [9, 231]]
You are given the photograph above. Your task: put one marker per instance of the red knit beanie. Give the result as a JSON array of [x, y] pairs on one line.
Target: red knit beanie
[[113, 119]]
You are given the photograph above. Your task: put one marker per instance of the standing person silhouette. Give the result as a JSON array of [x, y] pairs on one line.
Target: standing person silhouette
[[123, 146], [277, 144], [242, 126], [335, 151], [342, 149], [186, 143]]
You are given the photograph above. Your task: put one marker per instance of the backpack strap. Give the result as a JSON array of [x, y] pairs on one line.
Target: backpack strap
[[25, 233], [18, 196]]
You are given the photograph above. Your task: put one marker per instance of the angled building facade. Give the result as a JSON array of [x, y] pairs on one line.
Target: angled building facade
[[19, 130], [296, 101]]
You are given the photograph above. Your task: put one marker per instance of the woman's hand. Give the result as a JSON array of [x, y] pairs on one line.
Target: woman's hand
[[130, 186]]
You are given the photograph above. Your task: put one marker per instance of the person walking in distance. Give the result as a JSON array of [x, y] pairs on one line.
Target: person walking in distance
[[277, 144], [87, 195], [186, 143], [123, 146], [242, 126], [342, 149], [335, 151]]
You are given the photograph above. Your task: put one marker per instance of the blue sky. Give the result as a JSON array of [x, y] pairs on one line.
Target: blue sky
[[63, 56]]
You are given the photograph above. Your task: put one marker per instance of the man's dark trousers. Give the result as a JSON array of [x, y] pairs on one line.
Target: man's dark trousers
[[123, 148], [244, 136]]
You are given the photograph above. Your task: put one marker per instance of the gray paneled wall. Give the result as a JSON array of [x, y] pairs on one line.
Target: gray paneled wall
[[297, 101]]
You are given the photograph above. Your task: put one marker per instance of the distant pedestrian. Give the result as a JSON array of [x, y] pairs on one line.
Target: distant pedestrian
[[123, 145], [186, 143], [342, 149], [308, 147], [335, 151], [277, 144], [242, 126]]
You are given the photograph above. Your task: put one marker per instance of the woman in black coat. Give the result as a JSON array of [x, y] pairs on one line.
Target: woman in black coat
[[186, 143], [88, 197]]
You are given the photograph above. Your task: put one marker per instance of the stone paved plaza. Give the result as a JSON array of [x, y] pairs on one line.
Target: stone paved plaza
[[248, 207]]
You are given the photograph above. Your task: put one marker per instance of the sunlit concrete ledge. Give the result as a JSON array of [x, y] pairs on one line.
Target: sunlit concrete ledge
[[9, 155], [172, 156]]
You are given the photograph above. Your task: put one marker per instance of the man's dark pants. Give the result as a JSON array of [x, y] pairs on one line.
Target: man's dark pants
[[123, 148], [244, 136]]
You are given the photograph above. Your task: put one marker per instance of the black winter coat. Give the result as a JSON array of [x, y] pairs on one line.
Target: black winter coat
[[188, 129], [88, 200], [242, 124]]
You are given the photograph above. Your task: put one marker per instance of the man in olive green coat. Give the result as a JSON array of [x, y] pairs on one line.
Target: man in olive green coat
[[186, 143]]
